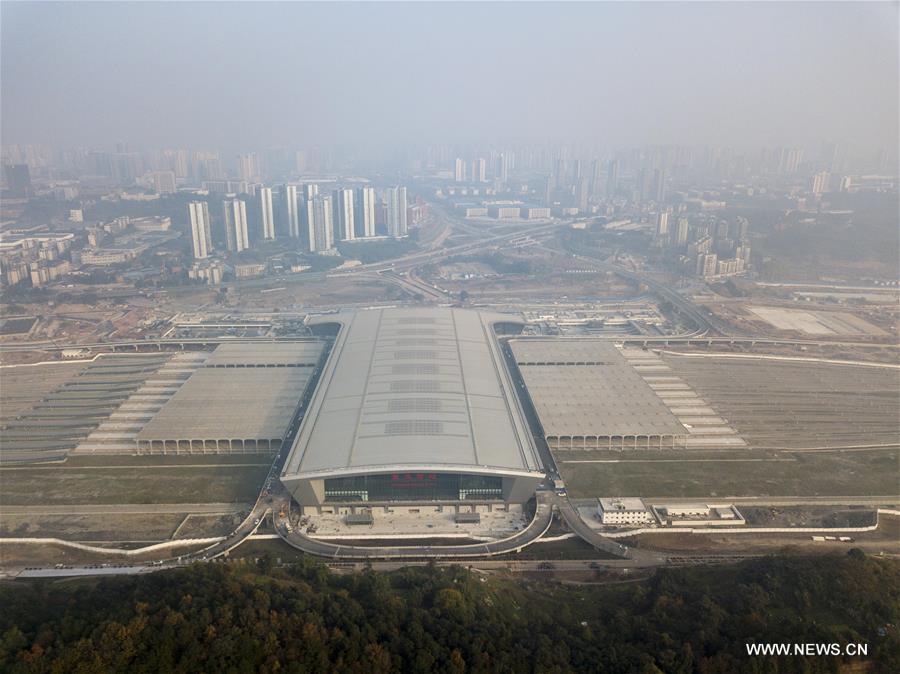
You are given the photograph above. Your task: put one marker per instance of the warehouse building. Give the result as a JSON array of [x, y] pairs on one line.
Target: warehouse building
[[413, 405]]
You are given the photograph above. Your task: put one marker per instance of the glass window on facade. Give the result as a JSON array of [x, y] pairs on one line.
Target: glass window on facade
[[414, 486]]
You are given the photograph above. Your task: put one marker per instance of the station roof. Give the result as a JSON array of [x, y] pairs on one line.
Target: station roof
[[423, 387], [586, 387], [237, 394], [253, 354]]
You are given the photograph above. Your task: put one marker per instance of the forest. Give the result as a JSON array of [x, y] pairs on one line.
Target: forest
[[303, 618]]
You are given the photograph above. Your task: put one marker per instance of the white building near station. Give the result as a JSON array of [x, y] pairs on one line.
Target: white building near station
[[623, 511], [699, 514]]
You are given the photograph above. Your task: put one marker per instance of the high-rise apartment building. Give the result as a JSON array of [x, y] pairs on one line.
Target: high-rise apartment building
[[292, 210], [237, 235], [561, 173], [267, 216], [681, 232], [201, 232], [479, 171], [319, 224], [582, 192], [659, 186], [163, 181], [395, 201], [819, 183], [612, 178], [364, 212], [596, 176], [503, 167], [662, 224], [249, 167], [707, 264], [18, 179], [344, 220], [459, 172]]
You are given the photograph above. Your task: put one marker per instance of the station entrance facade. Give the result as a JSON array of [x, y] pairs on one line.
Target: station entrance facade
[[414, 486]]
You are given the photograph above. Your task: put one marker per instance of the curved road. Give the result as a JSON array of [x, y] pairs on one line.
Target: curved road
[[538, 526]]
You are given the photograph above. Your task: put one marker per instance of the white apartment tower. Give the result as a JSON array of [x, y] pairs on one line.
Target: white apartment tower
[[319, 223], [662, 223], [479, 171], [459, 172], [364, 212], [395, 200], [681, 232], [249, 166], [201, 237], [237, 236], [292, 208], [344, 216], [267, 216]]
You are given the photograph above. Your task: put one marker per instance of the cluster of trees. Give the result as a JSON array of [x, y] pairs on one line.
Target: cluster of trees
[[222, 618]]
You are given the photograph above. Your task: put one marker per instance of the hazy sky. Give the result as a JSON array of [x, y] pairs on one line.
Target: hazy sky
[[245, 75]]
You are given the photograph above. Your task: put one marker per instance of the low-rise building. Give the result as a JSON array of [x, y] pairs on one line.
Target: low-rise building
[[249, 270], [152, 223], [535, 212], [698, 514], [623, 511], [44, 272], [105, 256], [211, 271], [505, 212]]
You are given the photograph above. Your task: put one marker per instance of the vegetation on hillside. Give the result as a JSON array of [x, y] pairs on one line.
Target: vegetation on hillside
[[219, 618]]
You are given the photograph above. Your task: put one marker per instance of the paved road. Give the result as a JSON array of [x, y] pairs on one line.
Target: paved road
[[537, 527], [95, 570], [635, 556], [548, 565]]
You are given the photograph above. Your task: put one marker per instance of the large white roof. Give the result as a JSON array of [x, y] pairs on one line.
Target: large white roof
[[414, 387], [586, 387]]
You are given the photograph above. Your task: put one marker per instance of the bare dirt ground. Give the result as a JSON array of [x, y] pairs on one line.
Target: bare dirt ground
[[83, 528]]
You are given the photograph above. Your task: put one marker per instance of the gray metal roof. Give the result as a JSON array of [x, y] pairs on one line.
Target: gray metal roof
[[284, 353], [414, 387], [218, 403], [586, 387], [238, 393]]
